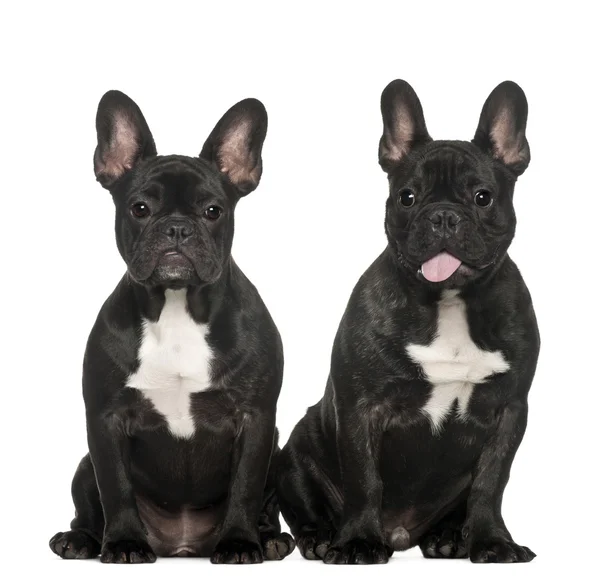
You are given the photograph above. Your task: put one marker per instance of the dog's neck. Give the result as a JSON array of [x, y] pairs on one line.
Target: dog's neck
[[202, 300]]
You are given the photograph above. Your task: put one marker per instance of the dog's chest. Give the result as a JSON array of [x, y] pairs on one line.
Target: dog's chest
[[453, 363], [174, 362]]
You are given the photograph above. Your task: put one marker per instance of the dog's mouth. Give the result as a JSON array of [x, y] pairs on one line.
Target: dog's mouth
[[154, 264], [175, 258], [444, 265], [440, 267]]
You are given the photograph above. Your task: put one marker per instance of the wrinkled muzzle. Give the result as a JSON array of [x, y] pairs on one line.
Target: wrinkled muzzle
[[175, 249], [444, 239]]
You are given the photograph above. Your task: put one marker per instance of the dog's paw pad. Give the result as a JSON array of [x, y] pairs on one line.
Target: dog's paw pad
[[278, 547], [74, 545], [358, 551], [127, 552], [313, 545], [446, 544], [499, 551], [237, 552]]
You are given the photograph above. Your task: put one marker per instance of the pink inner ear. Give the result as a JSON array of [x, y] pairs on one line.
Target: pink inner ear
[[235, 158], [122, 150], [401, 134], [507, 142]]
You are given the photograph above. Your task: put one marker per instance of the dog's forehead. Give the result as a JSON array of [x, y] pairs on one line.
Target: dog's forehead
[[448, 163], [180, 175], [451, 157]]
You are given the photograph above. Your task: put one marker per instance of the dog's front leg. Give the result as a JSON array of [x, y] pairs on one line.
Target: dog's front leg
[[239, 539], [488, 539], [124, 540], [359, 538]]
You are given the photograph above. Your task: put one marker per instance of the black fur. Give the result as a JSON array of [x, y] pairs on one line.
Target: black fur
[[363, 474], [136, 468]]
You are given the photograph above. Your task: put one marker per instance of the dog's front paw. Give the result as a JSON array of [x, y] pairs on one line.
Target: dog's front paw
[[448, 543], [277, 547], [498, 550], [358, 551], [127, 551], [237, 551], [74, 545]]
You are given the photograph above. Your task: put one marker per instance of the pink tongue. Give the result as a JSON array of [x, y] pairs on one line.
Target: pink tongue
[[440, 267]]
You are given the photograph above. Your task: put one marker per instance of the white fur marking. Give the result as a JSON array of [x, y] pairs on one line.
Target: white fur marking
[[452, 363], [174, 363]]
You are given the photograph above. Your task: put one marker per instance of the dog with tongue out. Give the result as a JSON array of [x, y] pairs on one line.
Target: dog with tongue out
[[426, 401]]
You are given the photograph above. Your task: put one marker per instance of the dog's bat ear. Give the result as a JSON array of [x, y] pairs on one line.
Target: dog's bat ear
[[123, 138], [501, 129], [235, 144], [403, 124]]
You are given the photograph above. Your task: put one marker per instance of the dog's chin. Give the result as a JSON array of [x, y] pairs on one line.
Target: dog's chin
[[174, 276], [175, 270]]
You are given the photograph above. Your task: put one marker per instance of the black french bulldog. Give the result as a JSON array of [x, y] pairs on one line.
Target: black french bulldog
[[184, 364], [426, 402]]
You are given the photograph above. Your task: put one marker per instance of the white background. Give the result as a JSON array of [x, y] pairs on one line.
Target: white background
[[304, 237]]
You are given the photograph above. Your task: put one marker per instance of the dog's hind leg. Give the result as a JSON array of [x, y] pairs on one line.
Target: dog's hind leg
[[84, 540], [303, 505], [276, 545]]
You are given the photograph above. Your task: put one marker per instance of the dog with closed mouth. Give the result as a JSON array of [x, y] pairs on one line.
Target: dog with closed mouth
[[184, 364], [426, 401]]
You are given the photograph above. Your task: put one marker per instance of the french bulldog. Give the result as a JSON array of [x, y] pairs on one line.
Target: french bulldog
[[184, 365], [426, 402]]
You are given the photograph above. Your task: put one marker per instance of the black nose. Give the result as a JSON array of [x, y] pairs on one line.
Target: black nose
[[444, 220], [178, 231]]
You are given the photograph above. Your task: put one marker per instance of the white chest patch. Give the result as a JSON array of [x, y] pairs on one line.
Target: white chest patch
[[452, 363], [174, 363]]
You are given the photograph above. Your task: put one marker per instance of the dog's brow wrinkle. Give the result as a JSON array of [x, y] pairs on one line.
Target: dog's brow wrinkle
[[162, 163]]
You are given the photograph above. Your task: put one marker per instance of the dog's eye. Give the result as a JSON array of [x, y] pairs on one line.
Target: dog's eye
[[140, 210], [407, 198], [213, 212], [483, 198]]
